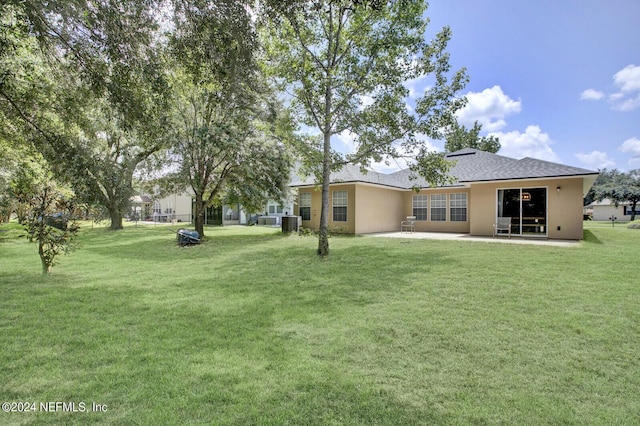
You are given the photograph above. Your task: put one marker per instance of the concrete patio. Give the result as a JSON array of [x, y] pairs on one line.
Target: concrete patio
[[467, 237]]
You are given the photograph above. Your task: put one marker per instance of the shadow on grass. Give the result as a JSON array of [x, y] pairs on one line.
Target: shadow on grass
[[590, 238]]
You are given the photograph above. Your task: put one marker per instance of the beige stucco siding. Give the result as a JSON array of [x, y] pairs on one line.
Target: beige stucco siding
[[316, 202], [438, 226], [316, 206], [378, 209], [564, 207]]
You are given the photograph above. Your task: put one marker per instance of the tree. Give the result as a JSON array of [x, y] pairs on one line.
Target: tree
[[106, 157], [224, 147], [329, 55], [619, 187], [226, 130], [49, 210], [458, 137], [90, 95]]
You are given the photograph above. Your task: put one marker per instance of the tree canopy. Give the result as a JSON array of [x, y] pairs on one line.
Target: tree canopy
[[619, 187], [459, 137]]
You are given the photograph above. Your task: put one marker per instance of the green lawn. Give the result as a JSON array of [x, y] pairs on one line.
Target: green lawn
[[253, 328]]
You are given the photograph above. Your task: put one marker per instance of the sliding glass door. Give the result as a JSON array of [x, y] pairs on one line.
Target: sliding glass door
[[527, 208]]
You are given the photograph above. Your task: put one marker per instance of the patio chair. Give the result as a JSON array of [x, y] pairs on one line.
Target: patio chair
[[503, 224], [408, 224]]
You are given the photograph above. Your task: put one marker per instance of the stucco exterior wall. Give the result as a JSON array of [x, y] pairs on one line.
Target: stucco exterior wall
[[378, 209], [316, 202], [564, 207], [347, 227]]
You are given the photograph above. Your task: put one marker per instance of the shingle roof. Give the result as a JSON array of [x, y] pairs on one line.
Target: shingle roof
[[140, 199], [350, 173], [471, 165], [527, 168]]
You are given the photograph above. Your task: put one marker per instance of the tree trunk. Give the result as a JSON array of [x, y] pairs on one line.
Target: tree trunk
[[323, 238], [633, 210], [46, 265], [116, 219], [199, 215]]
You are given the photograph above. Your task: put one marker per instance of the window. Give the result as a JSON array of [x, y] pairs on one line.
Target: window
[[169, 208], [275, 209], [305, 205], [438, 207], [628, 211], [157, 208], [339, 206], [458, 206], [420, 207]]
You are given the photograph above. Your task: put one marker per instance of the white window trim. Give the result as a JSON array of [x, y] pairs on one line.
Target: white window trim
[[345, 205]]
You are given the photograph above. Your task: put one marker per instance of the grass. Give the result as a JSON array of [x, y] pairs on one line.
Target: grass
[[253, 328]]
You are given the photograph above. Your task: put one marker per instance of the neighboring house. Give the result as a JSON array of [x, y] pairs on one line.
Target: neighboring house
[[179, 208], [543, 199], [172, 208], [226, 215], [605, 209], [274, 211]]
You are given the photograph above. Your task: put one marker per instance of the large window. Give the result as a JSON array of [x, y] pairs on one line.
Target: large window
[[458, 207], [420, 207], [339, 206], [438, 207], [305, 205]]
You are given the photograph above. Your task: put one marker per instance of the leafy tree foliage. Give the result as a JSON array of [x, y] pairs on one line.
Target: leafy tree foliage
[[619, 187], [459, 137], [90, 95], [227, 131], [328, 55], [49, 210]]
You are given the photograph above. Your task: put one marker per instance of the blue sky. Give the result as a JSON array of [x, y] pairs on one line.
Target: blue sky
[[557, 80]]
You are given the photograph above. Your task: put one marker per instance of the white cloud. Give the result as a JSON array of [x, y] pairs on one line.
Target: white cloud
[[490, 108], [591, 95], [365, 101], [417, 86], [628, 82], [634, 163], [596, 160], [631, 146], [628, 104], [532, 143], [347, 139], [628, 78]]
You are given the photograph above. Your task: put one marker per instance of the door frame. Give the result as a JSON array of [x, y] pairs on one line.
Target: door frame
[[543, 229]]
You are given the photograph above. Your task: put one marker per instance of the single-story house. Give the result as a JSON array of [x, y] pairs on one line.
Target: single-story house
[[543, 199], [605, 209]]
